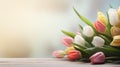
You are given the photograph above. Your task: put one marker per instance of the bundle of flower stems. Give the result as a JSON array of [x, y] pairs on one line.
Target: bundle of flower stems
[[97, 42]]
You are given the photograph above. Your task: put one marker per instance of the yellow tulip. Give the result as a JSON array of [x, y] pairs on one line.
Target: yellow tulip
[[118, 12], [68, 49], [115, 31], [116, 41], [102, 18]]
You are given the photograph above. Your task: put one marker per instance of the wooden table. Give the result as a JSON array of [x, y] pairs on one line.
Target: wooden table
[[46, 62]]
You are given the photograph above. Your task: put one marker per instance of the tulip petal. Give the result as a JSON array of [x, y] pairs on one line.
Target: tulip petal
[[98, 41], [59, 54], [67, 41], [115, 31], [119, 12], [113, 17], [116, 41], [69, 49], [79, 40], [102, 18], [99, 27], [88, 31], [74, 55], [97, 58]]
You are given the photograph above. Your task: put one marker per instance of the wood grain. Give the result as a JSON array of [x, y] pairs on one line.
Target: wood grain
[[46, 62]]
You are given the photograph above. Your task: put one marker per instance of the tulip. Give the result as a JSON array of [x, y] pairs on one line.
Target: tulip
[[102, 18], [98, 41], [99, 26], [116, 41], [69, 49], [113, 16], [59, 54], [115, 31], [119, 12], [97, 58], [88, 31], [74, 55], [67, 41], [79, 40]]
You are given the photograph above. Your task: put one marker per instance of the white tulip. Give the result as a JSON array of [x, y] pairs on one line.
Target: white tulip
[[113, 16], [88, 31], [79, 40], [98, 41]]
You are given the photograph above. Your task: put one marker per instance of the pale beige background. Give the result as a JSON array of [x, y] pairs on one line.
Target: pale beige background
[[31, 28]]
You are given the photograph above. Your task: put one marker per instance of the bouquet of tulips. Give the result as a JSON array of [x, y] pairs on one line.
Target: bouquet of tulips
[[97, 42]]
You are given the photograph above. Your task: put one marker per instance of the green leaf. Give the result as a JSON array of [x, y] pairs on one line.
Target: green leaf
[[71, 34], [116, 62], [111, 51], [88, 40], [92, 50], [108, 51], [112, 58], [84, 60], [107, 41], [83, 18], [81, 28], [89, 45], [108, 25], [81, 47]]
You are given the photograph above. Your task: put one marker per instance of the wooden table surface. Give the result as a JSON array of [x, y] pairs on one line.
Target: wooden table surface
[[46, 62]]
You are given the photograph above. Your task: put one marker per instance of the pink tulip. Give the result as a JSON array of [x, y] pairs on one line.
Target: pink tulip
[[74, 55], [59, 54], [67, 41], [97, 58], [99, 26]]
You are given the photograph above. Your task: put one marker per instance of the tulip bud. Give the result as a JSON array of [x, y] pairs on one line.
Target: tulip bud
[[69, 49], [97, 58], [98, 41], [116, 41], [102, 18], [88, 31], [99, 26], [113, 16], [59, 54], [115, 31], [79, 40], [67, 41], [74, 55]]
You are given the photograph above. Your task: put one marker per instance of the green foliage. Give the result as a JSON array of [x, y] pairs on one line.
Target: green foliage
[[71, 34]]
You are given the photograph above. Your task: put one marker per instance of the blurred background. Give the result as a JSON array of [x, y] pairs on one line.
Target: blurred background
[[32, 28]]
